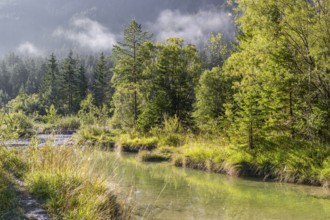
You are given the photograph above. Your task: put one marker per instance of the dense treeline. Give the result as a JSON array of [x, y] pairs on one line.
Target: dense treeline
[[63, 82], [274, 83]]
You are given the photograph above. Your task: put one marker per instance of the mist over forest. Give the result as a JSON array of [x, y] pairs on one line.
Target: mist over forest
[[39, 28]]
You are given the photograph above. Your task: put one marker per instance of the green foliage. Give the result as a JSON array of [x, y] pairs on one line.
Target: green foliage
[[51, 114], [129, 144], [10, 164], [102, 90], [49, 90], [20, 124], [128, 74], [177, 74], [72, 84], [29, 104], [95, 136], [277, 75], [212, 93], [91, 114], [217, 51], [70, 193], [68, 123]]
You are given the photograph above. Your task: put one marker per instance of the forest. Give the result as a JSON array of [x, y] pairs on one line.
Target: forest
[[254, 106]]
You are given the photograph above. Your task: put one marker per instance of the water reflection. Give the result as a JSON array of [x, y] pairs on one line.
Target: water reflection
[[161, 191]]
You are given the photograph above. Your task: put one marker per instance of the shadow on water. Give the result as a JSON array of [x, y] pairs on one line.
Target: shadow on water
[[161, 191]]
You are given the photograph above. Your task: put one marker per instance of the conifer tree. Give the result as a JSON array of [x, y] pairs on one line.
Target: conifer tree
[[127, 74], [72, 81], [102, 84], [49, 87]]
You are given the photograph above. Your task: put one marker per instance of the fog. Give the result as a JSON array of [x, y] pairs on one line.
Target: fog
[[39, 27]]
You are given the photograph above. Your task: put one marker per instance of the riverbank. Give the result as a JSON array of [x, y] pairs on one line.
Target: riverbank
[[60, 177], [283, 160], [162, 191]]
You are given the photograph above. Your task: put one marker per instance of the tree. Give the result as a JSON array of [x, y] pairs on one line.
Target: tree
[[275, 70], [102, 90], [82, 82], [216, 51], [128, 69], [212, 92], [49, 87], [73, 84], [177, 74]]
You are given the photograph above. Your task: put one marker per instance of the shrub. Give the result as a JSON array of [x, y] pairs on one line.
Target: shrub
[[21, 124]]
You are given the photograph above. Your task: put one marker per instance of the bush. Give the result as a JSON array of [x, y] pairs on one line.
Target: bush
[[66, 124], [20, 124], [70, 123]]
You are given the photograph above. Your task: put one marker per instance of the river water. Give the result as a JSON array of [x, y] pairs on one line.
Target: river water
[[162, 191], [40, 140]]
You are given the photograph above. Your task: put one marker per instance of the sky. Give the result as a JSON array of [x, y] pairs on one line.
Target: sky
[[40, 27]]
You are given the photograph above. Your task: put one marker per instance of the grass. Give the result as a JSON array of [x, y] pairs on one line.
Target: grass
[[10, 164], [95, 136], [61, 177], [67, 124], [288, 161], [134, 145]]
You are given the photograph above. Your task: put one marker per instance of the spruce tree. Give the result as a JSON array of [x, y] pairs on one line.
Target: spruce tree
[[102, 85], [49, 87], [128, 73]]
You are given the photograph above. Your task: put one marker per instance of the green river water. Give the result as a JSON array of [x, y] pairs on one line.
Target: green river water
[[162, 191]]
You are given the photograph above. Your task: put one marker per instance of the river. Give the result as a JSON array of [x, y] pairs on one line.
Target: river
[[162, 191]]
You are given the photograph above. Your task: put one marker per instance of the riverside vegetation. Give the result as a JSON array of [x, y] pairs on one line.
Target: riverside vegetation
[[257, 107]]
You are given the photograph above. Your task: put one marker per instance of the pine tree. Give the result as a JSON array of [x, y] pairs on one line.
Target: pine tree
[[277, 91], [82, 81], [49, 86], [102, 90], [71, 82], [177, 74], [128, 72]]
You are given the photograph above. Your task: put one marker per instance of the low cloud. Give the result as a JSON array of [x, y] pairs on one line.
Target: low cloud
[[4, 3], [28, 48], [87, 33], [194, 28]]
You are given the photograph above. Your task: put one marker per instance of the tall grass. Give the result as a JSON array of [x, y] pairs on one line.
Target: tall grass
[[61, 176], [10, 164]]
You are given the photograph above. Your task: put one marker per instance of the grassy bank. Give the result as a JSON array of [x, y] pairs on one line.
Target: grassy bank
[[61, 178], [284, 160], [10, 166]]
